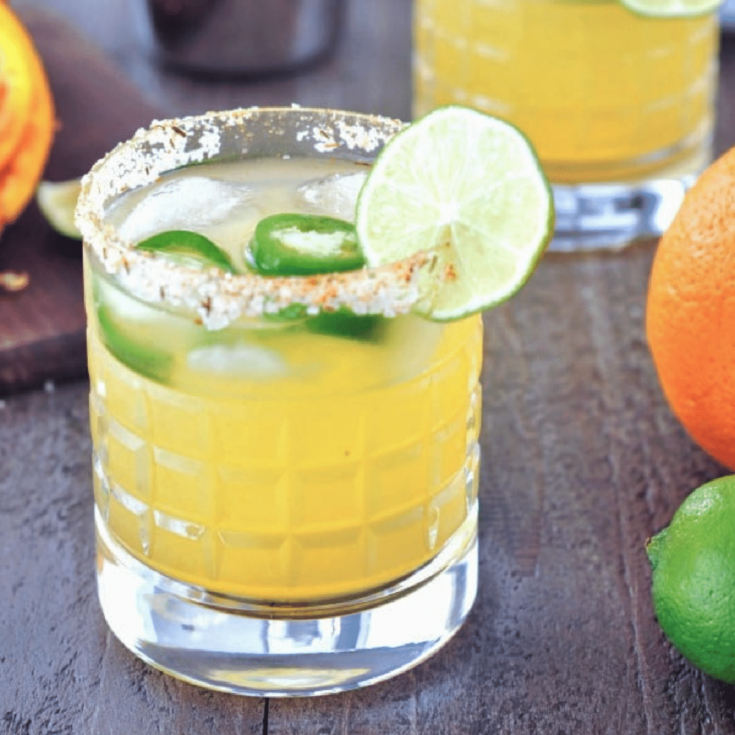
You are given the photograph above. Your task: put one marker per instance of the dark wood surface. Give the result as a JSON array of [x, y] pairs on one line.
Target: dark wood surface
[[582, 461]]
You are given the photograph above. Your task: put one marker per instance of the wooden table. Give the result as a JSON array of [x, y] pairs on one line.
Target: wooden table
[[582, 461]]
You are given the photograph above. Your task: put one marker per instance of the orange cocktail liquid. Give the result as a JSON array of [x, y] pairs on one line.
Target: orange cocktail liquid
[[602, 93], [276, 462]]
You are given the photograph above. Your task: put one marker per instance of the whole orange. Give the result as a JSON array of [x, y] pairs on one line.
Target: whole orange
[[690, 314]]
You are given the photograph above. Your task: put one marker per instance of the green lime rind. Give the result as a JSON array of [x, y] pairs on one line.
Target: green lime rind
[[143, 359], [693, 578], [188, 247], [469, 188], [57, 201], [291, 244], [671, 8]]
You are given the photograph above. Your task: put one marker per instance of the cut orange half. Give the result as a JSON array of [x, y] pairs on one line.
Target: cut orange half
[[16, 92], [26, 117]]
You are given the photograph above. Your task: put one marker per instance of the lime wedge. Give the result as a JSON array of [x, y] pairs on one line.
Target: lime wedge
[[144, 359], [57, 200], [469, 188], [304, 245], [189, 248], [671, 8]]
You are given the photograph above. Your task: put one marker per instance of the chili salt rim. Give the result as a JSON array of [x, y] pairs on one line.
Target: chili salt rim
[[217, 297]]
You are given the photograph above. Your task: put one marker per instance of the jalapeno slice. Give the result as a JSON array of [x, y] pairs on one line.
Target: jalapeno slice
[[303, 245], [188, 247]]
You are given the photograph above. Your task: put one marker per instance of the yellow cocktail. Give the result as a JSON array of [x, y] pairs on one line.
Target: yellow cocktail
[[279, 464], [264, 475], [604, 94], [599, 90]]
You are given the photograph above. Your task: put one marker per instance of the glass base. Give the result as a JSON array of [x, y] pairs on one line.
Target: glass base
[[611, 216], [267, 650]]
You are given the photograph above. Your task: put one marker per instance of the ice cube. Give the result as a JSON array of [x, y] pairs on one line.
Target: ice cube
[[334, 195], [239, 359], [187, 203]]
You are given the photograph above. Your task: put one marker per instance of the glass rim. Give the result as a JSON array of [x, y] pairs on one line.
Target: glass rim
[[217, 297]]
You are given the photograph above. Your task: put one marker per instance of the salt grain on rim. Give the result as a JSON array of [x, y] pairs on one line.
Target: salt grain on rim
[[216, 298]]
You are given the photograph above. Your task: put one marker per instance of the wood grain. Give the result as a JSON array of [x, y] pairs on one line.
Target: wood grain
[[582, 461]]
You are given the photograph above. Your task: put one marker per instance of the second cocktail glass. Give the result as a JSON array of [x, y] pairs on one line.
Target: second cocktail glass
[[286, 503], [619, 106]]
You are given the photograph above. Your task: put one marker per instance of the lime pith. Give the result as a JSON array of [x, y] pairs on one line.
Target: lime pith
[[57, 200], [672, 8]]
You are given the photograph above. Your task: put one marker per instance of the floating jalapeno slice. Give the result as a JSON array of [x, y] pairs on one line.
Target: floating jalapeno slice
[[343, 323], [303, 245], [188, 248]]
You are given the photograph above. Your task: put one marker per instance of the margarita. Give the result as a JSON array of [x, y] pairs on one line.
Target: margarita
[[602, 92], [285, 346], [277, 459]]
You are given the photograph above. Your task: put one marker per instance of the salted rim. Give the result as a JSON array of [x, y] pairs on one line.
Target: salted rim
[[220, 298]]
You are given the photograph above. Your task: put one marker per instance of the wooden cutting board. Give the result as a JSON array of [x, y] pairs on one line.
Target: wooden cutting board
[[42, 326]]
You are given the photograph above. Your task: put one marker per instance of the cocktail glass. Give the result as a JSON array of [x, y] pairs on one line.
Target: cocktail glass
[[619, 106], [282, 507]]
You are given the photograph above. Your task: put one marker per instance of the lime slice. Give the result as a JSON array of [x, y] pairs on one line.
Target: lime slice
[[469, 188], [144, 359], [188, 248], [304, 245], [57, 200], [117, 319], [671, 8]]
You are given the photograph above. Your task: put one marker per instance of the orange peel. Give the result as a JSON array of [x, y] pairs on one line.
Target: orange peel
[[16, 91], [27, 121]]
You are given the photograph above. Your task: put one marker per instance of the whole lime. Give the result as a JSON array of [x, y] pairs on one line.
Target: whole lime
[[693, 562]]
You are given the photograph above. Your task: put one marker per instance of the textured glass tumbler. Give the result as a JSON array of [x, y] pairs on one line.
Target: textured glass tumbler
[[304, 529], [618, 106]]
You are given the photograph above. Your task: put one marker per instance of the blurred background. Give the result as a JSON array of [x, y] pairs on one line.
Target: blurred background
[[371, 46], [113, 70]]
